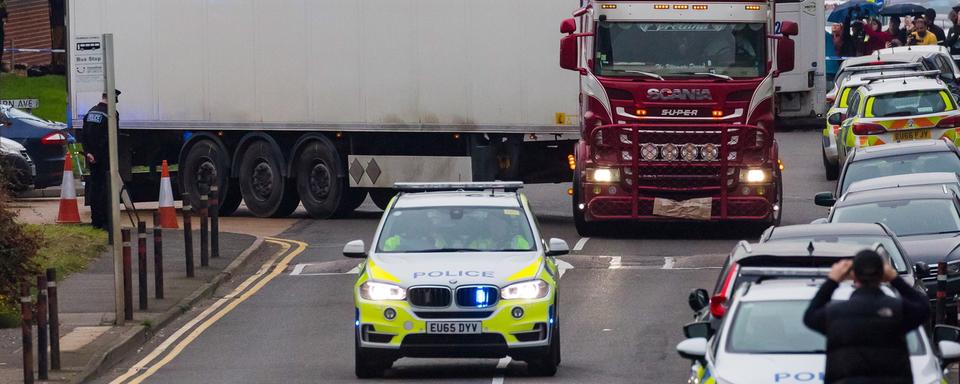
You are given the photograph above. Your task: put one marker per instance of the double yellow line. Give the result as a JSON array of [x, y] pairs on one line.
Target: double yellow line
[[179, 340]]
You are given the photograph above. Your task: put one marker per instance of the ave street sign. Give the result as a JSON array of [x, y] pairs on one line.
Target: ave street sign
[[22, 103]]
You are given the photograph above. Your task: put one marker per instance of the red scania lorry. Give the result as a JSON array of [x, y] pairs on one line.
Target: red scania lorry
[[677, 110]]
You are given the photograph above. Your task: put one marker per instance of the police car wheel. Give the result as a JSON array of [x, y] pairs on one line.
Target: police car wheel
[[321, 190], [367, 364], [832, 171], [547, 364]]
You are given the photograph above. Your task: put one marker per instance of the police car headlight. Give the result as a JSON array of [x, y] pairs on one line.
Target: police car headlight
[[371, 290], [535, 289]]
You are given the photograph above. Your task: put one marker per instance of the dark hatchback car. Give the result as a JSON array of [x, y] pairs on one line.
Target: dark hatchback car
[[45, 141], [776, 260], [926, 220], [893, 159]]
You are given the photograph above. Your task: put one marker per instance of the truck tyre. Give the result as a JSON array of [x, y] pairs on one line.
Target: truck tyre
[[381, 197], [832, 170], [262, 185], [584, 228], [205, 163], [322, 191], [290, 201], [352, 200], [231, 198]]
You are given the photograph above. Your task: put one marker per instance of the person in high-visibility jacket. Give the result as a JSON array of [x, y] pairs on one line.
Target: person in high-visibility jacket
[[497, 238]]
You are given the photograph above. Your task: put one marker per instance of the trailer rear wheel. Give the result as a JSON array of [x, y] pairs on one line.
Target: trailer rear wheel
[[352, 200], [290, 201], [231, 198], [323, 193], [261, 183], [382, 197], [205, 163]]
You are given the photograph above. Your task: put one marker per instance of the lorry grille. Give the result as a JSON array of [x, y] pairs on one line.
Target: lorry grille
[[429, 296]]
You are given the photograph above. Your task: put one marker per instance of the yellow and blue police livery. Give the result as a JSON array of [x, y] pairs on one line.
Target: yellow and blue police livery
[[457, 270], [764, 340]]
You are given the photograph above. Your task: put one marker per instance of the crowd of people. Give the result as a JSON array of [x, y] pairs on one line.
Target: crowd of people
[[863, 36]]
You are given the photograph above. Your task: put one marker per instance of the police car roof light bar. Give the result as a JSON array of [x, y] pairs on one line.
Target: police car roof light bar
[[883, 67], [506, 186], [902, 75]]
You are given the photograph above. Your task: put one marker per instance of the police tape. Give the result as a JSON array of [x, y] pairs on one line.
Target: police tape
[[34, 50]]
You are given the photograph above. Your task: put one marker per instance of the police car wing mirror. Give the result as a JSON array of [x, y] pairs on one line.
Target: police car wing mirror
[[355, 249], [949, 351], [835, 119], [824, 199], [698, 299], [693, 349], [557, 247], [921, 269]]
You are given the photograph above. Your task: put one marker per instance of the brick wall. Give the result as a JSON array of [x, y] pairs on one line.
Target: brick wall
[[28, 27]]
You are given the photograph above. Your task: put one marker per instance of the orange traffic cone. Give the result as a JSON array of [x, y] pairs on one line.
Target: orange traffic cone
[[69, 212], [168, 214]]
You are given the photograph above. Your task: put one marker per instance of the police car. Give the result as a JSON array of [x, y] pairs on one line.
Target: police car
[[897, 108], [457, 270], [840, 102], [764, 340]]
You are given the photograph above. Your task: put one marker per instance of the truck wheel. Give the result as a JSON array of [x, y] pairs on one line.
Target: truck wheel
[[290, 201], [231, 198], [205, 163], [778, 214], [584, 228], [321, 190], [261, 184], [353, 198], [832, 170], [382, 197]]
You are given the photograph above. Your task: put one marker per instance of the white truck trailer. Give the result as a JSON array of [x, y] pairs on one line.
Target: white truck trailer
[[323, 102], [801, 93]]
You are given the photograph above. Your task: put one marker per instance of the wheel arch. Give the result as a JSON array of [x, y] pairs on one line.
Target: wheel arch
[[245, 143]]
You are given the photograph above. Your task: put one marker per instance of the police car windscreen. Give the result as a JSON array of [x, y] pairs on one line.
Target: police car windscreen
[[680, 49], [905, 217], [909, 103], [456, 229], [776, 327], [900, 165]]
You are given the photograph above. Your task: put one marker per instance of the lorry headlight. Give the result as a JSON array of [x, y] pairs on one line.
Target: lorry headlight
[[372, 290], [755, 176], [535, 289], [603, 175]]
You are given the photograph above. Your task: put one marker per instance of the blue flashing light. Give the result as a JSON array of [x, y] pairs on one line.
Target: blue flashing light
[[356, 322], [481, 297]]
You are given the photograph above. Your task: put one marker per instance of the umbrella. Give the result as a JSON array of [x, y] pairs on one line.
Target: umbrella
[[902, 10], [853, 9]]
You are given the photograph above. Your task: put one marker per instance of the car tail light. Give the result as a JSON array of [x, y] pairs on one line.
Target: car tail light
[[718, 303], [55, 138], [868, 129], [718, 306], [949, 122]]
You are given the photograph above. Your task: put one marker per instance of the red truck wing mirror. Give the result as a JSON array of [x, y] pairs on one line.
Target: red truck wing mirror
[[569, 57], [789, 28], [786, 48], [568, 26]]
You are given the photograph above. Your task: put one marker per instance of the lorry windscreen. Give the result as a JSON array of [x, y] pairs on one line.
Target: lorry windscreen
[[680, 49]]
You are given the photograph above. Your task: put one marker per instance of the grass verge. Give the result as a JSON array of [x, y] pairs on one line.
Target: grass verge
[[51, 90], [68, 249]]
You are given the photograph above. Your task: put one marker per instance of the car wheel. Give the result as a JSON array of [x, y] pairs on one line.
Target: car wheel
[[367, 364], [262, 185], [831, 170], [547, 364]]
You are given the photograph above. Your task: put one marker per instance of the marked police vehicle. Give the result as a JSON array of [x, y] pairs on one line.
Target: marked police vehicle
[[457, 270], [765, 340]]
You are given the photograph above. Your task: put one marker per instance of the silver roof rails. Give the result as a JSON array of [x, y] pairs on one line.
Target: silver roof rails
[[901, 75]]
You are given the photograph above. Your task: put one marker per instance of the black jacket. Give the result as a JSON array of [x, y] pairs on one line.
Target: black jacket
[[937, 31], [953, 40], [866, 335], [94, 134]]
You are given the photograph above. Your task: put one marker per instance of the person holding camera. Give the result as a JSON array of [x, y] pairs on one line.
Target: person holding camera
[[866, 335], [920, 35]]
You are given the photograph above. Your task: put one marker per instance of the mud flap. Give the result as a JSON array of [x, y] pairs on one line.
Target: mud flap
[[695, 209]]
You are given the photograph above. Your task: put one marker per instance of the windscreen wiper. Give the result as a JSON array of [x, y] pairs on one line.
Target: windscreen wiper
[[441, 250], [647, 74], [716, 75]]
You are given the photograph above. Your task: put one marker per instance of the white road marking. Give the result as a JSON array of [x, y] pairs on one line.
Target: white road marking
[[580, 244], [297, 269], [563, 266], [615, 262], [668, 263], [501, 368], [355, 270]]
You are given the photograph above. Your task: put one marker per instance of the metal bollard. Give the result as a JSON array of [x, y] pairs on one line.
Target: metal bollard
[[204, 233], [214, 208], [142, 265], [187, 234], [43, 357], [54, 323], [127, 283], [26, 328], [941, 292], [157, 256]]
